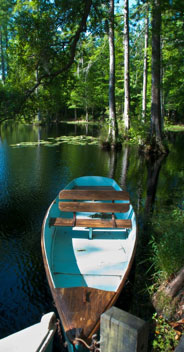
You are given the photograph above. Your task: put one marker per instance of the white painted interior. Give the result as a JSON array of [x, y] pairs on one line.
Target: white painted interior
[[36, 338]]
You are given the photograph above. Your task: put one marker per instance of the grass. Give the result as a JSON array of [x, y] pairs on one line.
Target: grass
[[167, 257], [168, 244]]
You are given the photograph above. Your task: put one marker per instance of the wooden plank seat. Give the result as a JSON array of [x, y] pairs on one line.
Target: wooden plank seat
[[84, 201], [92, 223], [75, 194], [94, 207]]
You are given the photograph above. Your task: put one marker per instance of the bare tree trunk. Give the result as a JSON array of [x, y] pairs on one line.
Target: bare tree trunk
[[2, 57], [86, 94], [175, 284], [155, 93], [112, 109], [87, 115], [38, 117], [171, 292], [145, 68], [126, 67], [75, 114], [162, 91]]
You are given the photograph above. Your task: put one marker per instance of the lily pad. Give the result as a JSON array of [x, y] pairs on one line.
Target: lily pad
[[53, 142]]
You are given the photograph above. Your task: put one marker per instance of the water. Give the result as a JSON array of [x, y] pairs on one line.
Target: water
[[31, 177]]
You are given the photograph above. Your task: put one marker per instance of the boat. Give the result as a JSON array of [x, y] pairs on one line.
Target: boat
[[88, 245], [35, 338]]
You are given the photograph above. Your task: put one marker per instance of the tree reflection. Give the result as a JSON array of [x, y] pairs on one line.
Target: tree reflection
[[153, 167], [112, 163], [125, 164]]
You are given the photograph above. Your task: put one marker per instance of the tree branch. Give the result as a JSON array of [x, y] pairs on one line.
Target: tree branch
[[76, 37]]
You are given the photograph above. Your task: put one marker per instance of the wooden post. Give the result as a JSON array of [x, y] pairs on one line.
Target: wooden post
[[122, 332], [180, 347]]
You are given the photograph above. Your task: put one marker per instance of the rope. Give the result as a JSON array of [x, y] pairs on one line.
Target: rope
[[94, 347]]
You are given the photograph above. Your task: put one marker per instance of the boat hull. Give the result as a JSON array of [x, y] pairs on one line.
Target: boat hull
[[86, 269]]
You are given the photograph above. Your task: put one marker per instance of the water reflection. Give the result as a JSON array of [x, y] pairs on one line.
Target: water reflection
[[125, 160], [31, 177], [153, 167]]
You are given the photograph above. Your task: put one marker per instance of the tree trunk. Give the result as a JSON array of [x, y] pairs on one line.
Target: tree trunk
[[112, 109], [168, 299], [2, 57], [126, 67], [145, 67], [175, 284], [155, 93], [162, 91], [38, 117], [87, 115], [75, 114]]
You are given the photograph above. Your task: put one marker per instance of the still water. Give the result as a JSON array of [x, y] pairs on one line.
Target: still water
[[31, 177]]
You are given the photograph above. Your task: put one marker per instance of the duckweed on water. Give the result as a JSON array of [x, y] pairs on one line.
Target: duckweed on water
[[53, 142]]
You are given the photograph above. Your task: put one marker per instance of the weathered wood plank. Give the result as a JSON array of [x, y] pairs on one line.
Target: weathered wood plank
[[94, 223], [121, 331], [94, 207], [93, 195]]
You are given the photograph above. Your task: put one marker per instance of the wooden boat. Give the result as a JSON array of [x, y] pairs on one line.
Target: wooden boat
[[88, 244]]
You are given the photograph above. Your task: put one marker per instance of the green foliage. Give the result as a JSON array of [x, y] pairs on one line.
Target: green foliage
[[36, 46], [138, 131], [165, 336], [167, 243], [173, 51]]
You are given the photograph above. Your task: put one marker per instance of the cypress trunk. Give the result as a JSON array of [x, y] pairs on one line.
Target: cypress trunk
[[112, 109], [2, 57], [126, 67], [145, 68], [155, 93]]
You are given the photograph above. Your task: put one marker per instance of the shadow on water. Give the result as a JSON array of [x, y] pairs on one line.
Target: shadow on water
[[31, 177]]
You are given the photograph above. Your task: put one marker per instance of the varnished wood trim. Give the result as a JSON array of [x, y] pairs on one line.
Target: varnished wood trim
[[94, 207], [93, 195], [94, 223]]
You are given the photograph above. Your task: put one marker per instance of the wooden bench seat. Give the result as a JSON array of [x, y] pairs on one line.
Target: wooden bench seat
[[92, 223], [94, 207], [93, 201], [76, 194]]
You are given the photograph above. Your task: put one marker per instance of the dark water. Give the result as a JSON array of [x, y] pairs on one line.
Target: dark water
[[31, 177]]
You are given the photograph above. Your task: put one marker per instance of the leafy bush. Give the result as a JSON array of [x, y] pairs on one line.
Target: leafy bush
[[168, 242], [165, 336]]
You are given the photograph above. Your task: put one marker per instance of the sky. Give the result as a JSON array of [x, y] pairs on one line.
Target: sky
[[131, 2]]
